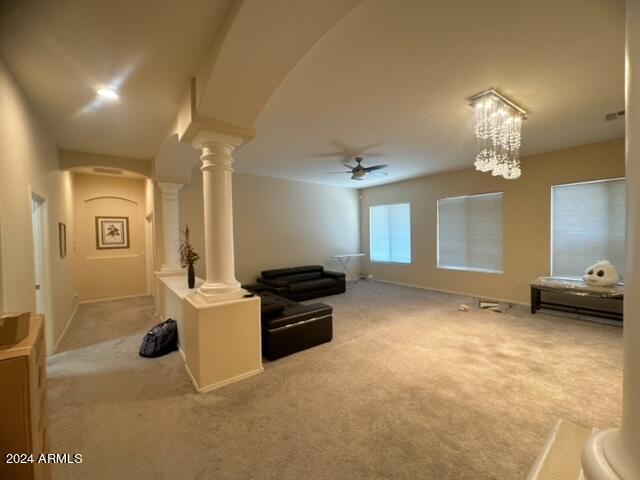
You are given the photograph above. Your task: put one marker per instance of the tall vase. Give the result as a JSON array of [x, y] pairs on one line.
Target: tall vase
[[191, 276]]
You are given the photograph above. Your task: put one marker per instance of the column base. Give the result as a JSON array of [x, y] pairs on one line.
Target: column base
[[219, 292], [604, 458]]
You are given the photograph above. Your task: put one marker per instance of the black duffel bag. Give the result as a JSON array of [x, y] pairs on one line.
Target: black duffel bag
[[161, 339]]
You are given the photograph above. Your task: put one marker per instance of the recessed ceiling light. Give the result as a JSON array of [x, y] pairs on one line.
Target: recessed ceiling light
[[108, 93]]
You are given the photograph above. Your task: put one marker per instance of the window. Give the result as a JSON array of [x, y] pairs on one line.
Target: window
[[588, 221], [470, 233], [390, 233]]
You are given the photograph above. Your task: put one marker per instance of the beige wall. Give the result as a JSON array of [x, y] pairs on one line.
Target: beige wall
[[28, 158], [102, 274], [527, 206], [279, 223]]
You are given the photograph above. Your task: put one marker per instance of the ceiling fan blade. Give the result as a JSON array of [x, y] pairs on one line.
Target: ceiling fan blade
[[328, 154], [372, 146], [348, 166], [375, 167], [379, 174], [338, 173]]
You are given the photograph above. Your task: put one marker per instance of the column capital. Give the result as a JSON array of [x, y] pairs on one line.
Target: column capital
[[216, 141], [170, 186], [169, 191], [216, 157]]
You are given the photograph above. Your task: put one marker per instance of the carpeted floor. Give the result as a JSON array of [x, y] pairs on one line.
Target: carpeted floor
[[410, 388]]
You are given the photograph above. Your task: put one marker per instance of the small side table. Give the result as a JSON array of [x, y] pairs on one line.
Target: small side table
[[344, 261]]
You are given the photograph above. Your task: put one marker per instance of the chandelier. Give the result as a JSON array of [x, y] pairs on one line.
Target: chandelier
[[498, 124]]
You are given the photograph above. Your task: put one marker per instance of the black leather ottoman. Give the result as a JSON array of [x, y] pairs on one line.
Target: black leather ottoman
[[288, 326], [296, 328]]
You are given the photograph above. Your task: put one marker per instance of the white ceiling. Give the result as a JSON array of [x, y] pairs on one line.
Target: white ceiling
[[62, 50], [393, 77]]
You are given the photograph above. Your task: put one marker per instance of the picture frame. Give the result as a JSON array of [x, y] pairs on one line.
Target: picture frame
[[112, 233], [62, 239]]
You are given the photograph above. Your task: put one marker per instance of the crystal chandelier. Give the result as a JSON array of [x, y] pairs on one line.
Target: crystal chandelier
[[498, 124]]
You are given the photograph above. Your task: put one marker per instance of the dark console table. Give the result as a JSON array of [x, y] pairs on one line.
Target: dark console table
[[576, 288]]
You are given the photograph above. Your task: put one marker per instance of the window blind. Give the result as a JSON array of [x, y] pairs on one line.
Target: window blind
[[470, 233], [390, 233], [588, 226]]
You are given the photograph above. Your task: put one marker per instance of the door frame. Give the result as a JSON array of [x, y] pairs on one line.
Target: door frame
[[45, 281], [148, 240]]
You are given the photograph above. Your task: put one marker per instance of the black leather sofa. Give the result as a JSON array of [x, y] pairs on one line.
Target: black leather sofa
[[303, 283], [288, 326]]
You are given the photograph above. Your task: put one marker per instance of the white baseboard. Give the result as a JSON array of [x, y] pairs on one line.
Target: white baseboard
[[222, 383], [450, 292], [98, 300], [64, 330], [184, 357], [561, 455]]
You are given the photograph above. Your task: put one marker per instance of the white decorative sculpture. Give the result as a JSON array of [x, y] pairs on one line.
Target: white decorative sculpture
[[601, 274]]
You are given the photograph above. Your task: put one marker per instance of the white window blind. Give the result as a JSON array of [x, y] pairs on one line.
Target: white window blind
[[470, 233], [390, 233], [588, 226]]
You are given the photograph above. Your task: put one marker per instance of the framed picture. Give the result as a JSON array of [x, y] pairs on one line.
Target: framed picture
[[112, 232], [62, 239]]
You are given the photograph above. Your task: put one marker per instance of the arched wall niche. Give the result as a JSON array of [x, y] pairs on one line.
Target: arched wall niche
[[110, 197]]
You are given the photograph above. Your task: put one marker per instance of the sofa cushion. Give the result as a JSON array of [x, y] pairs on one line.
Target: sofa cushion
[[269, 308], [318, 284], [300, 277], [269, 297], [272, 305], [273, 282], [291, 271]]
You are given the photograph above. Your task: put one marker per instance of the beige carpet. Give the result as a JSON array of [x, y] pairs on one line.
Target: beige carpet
[[410, 388]]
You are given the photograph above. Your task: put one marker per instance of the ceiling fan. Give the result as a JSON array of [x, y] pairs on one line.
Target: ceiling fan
[[358, 172]]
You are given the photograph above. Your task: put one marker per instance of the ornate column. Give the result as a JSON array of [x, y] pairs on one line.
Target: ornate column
[[216, 150], [615, 454], [170, 226]]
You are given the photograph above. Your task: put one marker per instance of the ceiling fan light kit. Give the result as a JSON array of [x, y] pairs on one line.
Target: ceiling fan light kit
[[359, 171], [498, 125]]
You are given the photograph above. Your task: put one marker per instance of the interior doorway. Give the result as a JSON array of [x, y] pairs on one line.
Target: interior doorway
[[40, 260]]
